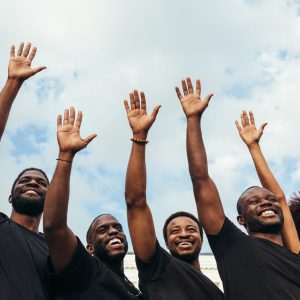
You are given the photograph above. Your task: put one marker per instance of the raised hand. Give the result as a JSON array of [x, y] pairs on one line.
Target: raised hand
[[139, 121], [20, 65], [192, 104], [248, 131], [68, 133]]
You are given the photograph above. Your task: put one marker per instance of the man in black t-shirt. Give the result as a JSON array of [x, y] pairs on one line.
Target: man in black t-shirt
[[254, 266], [23, 250], [76, 273], [162, 276]]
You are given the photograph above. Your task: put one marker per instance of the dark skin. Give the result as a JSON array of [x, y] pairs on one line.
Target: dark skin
[[19, 70], [61, 240], [30, 184]]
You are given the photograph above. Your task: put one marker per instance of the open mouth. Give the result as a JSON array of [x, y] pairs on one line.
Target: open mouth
[[268, 213], [30, 192], [115, 243], [185, 244]]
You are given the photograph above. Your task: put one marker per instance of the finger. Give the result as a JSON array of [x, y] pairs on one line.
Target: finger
[[32, 53], [20, 50], [132, 103], [155, 111], [178, 93], [242, 120], [78, 119], [59, 120], [72, 115], [246, 118], [143, 101], [184, 87], [251, 116], [66, 117], [198, 87], [12, 51], [262, 127], [190, 85], [239, 128], [38, 69], [89, 138], [27, 49], [207, 98], [136, 99], [126, 105]]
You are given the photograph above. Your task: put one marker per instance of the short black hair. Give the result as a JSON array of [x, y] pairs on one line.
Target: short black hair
[[89, 231], [238, 204], [24, 171], [294, 205], [181, 214]]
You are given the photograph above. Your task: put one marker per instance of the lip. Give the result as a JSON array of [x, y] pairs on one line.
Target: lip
[[191, 243], [30, 192], [115, 237], [268, 216]]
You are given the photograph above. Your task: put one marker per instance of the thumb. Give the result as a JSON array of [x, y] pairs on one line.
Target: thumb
[[89, 138], [38, 69], [155, 111], [262, 127]]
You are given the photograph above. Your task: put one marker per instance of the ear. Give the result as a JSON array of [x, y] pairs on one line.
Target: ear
[[90, 249], [241, 220], [10, 198]]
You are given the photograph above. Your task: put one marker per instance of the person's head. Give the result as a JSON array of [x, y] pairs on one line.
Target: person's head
[[28, 192], [259, 211], [294, 205], [183, 236], [106, 239]]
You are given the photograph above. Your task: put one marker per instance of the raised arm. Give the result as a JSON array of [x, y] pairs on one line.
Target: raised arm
[[19, 70], [139, 216], [61, 240], [251, 137], [209, 206]]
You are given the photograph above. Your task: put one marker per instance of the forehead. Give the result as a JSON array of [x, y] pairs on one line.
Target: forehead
[[182, 221], [33, 174], [256, 192], [105, 220]]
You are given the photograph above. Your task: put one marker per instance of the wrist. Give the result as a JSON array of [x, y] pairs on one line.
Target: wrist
[[194, 118], [66, 156], [14, 82], [140, 136], [253, 146]]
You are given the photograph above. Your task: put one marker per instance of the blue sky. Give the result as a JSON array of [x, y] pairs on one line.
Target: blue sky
[[96, 52]]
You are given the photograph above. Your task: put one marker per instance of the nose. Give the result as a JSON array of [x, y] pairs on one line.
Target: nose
[[33, 183], [112, 230], [184, 234], [266, 202]]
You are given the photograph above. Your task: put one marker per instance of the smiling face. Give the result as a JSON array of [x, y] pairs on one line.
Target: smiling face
[[183, 238], [108, 241], [260, 211], [28, 195]]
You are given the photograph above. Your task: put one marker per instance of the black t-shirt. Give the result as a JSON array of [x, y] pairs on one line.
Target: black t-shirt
[[166, 277], [88, 278], [23, 257], [255, 268]]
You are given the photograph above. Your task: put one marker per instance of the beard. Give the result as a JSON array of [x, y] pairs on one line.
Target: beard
[[258, 227], [27, 206], [189, 258], [103, 254]]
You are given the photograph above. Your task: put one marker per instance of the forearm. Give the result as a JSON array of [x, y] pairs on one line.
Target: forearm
[[7, 97]]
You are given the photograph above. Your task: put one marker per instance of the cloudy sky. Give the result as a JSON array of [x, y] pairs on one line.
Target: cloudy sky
[[246, 52]]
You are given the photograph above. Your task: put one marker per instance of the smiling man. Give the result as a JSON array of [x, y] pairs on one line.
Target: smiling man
[[254, 266], [175, 276], [76, 273]]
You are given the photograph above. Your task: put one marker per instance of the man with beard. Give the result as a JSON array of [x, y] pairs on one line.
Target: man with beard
[[162, 276], [76, 273], [254, 266]]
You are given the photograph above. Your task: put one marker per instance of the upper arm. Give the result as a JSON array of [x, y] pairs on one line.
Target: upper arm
[[142, 231], [209, 206]]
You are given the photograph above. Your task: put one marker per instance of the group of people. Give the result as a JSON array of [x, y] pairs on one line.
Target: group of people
[[263, 264]]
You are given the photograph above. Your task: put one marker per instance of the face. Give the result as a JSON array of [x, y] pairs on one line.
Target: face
[[183, 238], [261, 211], [29, 193], [109, 242]]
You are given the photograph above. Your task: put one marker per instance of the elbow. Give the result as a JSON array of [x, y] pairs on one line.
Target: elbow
[[199, 178], [135, 200]]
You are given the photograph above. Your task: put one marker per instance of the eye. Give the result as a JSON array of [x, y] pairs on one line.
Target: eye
[[23, 180], [253, 202], [192, 229], [43, 183], [119, 227], [101, 230], [174, 231]]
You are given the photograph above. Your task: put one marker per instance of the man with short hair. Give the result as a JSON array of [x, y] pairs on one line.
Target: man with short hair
[[76, 273], [254, 266], [162, 276]]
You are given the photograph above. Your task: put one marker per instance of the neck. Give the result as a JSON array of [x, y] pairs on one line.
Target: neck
[[117, 267], [31, 223], [195, 264], [273, 237]]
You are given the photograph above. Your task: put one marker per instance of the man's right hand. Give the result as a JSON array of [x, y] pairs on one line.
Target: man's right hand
[[19, 67]]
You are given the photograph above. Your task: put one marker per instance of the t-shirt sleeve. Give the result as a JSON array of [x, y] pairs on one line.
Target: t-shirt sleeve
[[225, 239], [76, 276], [157, 265]]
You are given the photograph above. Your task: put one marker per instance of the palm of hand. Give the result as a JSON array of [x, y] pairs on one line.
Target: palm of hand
[[69, 139], [192, 105], [20, 67], [250, 134], [139, 120]]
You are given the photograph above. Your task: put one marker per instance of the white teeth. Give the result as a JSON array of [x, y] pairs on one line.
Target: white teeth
[[268, 213], [114, 241], [185, 243]]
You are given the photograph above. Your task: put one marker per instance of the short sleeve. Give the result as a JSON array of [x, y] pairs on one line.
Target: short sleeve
[[156, 267], [227, 236], [77, 275]]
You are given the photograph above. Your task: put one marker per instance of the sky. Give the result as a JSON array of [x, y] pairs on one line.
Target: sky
[[246, 52]]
